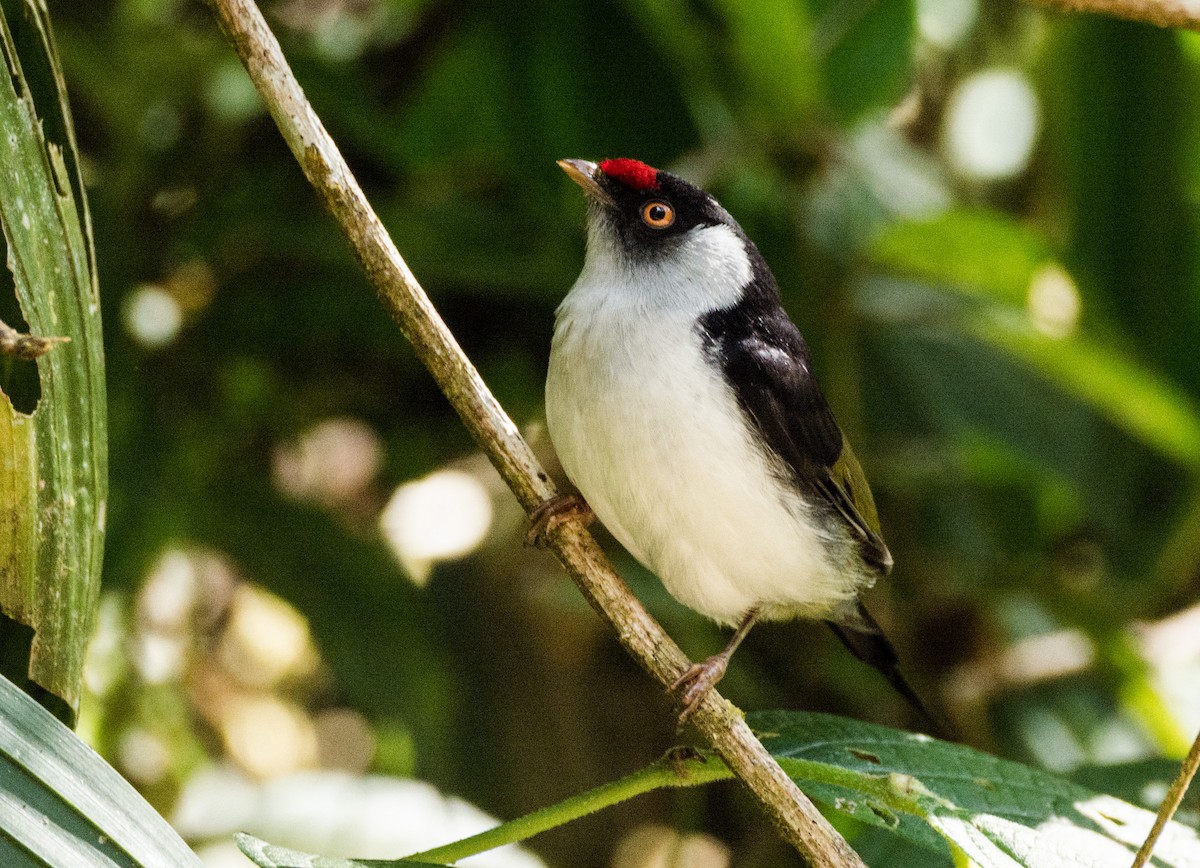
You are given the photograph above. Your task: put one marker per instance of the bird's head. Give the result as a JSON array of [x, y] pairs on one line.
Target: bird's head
[[658, 235]]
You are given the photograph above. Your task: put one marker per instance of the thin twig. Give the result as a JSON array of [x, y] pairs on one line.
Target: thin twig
[[27, 347], [1170, 803], [1163, 13], [797, 819]]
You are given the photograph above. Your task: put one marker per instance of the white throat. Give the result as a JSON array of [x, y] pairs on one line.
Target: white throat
[[706, 271]]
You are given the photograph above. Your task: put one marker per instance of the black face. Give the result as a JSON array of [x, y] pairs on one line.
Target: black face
[[650, 221]]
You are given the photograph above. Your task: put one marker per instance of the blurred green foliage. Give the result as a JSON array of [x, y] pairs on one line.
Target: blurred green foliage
[[1012, 354]]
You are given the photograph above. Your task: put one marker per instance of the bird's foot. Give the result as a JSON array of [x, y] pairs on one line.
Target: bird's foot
[[692, 685], [549, 514]]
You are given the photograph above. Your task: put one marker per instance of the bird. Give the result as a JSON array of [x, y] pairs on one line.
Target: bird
[[682, 403]]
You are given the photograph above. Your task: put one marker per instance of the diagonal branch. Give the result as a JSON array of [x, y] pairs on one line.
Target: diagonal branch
[[797, 819], [1164, 13]]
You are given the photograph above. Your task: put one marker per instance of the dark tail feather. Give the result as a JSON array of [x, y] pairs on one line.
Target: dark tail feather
[[866, 641]]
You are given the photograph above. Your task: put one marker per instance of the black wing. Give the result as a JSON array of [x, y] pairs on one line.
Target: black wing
[[768, 364]]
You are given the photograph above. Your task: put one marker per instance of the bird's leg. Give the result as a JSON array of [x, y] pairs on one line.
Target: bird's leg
[[701, 677], [549, 514]]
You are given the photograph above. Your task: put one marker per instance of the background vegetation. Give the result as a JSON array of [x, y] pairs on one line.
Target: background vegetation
[[983, 218]]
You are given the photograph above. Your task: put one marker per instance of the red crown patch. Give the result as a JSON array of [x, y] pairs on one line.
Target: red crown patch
[[634, 174]]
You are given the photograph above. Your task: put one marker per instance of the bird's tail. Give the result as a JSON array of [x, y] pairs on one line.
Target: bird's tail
[[863, 636]]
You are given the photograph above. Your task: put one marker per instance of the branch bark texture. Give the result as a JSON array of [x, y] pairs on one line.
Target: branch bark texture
[[1164, 13], [1170, 803], [797, 819]]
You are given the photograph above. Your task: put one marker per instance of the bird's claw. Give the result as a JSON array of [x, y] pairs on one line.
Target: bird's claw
[[695, 682], [549, 514]]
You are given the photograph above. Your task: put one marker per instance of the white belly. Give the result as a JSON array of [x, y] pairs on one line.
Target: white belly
[[654, 439]]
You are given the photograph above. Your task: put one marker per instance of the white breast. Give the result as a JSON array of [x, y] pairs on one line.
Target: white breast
[[651, 434]]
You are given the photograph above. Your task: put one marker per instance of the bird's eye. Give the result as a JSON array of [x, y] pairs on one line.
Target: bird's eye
[[658, 215]]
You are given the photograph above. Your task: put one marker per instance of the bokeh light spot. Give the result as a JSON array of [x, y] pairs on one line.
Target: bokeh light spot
[[152, 316], [441, 517], [991, 125]]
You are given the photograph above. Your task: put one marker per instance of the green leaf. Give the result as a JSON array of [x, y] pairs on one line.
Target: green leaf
[[771, 47], [1132, 780], [1121, 114], [970, 251], [934, 793], [963, 387], [269, 856], [1134, 398], [947, 798], [991, 257], [53, 490], [865, 49], [61, 804]]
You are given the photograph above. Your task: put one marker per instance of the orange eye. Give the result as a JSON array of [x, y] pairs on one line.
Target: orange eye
[[658, 215]]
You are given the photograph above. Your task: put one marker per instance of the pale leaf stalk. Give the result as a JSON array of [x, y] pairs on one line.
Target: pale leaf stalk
[[662, 774]]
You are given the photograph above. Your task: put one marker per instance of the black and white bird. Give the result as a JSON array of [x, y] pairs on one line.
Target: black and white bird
[[682, 404]]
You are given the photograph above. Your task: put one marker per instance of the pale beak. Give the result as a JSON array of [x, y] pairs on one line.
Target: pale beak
[[586, 175]]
